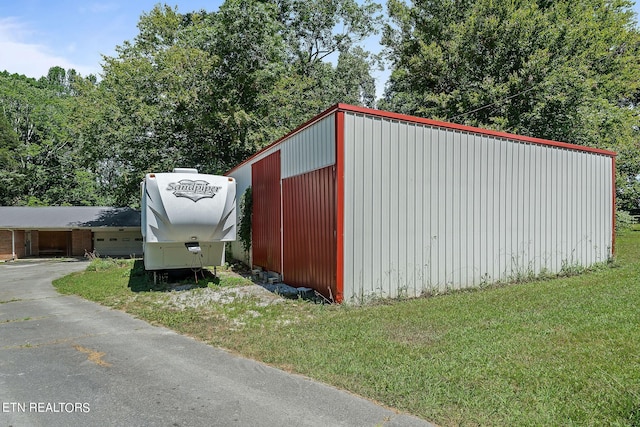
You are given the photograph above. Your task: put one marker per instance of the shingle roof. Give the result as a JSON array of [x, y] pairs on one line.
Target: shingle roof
[[19, 217]]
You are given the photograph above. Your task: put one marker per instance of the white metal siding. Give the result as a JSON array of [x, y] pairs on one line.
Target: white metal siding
[[310, 149], [429, 209]]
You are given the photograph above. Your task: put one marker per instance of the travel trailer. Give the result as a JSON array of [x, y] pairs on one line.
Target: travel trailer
[[186, 218]]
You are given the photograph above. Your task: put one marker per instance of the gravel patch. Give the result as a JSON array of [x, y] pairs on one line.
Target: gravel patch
[[205, 296]]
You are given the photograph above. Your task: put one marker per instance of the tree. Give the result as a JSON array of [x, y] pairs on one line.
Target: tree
[[43, 167], [316, 29], [8, 166], [60, 80], [8, 143], [319, 31], [209, 89], [201, 89], [186, 93], [559, 70]]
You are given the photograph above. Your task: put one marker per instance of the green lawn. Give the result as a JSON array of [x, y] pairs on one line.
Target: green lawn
[[563, 351]]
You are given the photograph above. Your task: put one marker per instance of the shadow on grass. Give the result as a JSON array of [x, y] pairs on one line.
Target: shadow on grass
[[168, 280]]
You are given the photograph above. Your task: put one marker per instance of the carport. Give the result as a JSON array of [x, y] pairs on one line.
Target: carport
[[51, 242]]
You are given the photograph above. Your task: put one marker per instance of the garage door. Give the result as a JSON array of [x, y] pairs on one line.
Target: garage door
[[117, 243]]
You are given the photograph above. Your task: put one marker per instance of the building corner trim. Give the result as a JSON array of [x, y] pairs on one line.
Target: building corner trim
[[339, 206]]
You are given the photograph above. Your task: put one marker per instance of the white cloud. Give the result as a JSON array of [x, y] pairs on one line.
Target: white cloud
[[31, 59]]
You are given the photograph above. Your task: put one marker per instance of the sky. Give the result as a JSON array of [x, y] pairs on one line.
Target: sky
[[36, 35]]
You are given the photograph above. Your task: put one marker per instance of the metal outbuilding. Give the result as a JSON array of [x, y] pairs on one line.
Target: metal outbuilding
[[360, 203]]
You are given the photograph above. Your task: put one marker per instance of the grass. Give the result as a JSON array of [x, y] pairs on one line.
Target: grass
[[564, 351]]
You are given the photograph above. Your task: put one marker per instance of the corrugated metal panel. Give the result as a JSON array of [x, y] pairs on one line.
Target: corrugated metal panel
[[266, 217], [242, 175], [310, 149], [429, 208], [309, 218]]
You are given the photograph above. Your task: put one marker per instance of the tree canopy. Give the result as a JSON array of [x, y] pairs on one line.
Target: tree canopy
[[41, 162], [207, 89]]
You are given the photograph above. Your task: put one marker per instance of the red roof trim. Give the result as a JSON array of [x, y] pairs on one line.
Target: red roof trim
[[428, 122]]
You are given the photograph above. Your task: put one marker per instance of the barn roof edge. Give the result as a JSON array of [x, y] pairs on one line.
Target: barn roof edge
[[428, 122]]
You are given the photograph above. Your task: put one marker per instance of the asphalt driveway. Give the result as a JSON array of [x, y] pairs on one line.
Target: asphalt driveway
[[66, 361]]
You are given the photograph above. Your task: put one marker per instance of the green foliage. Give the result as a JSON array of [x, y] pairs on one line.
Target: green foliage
[[102, 264], [208, 89], [624, 221], [246, 215], [628, 178], [317, 30], [8, 164], [43, 161], [8, 143]]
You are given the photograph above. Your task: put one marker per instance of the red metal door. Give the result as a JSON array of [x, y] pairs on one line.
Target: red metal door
[[309, 225], [266, 216]]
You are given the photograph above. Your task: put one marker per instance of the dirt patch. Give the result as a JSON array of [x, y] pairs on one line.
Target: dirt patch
[[93, 356], [204, 296]]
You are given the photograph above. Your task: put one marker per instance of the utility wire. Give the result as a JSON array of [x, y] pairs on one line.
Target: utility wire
[[492, 104]]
